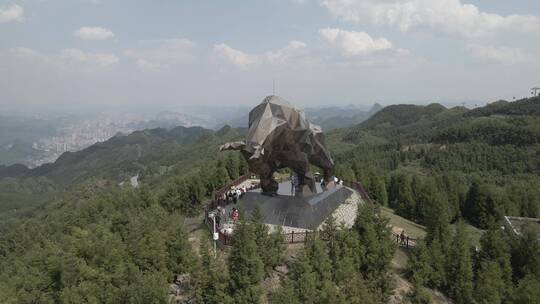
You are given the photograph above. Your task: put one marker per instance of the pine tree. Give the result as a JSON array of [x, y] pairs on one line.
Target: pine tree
[[437, 258], [419, 294], [271, 247], [305, 280], [245, 266], [221, 177], [494, 245], [286, 294], [460, 274], [354, 291], [211, 279], [419, 264], [232, 165], [526, 254], [528, 290], [316, 250], [435, 213], [490, 285], [242, 164], [377, 188], [376, 246], [405, 204], [482, 204]]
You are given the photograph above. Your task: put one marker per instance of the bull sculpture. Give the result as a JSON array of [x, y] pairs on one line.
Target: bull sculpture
[[280, 136]]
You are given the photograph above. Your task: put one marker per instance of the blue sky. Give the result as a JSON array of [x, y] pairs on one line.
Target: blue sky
[[175, 53]]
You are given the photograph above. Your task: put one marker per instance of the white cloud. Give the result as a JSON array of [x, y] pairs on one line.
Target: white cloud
[[504, 55], [160, 54], [94, 33], [12, 13], [68, 58], [352, 43], [449, 16], [78, 56], [236, 57], [294, 49]]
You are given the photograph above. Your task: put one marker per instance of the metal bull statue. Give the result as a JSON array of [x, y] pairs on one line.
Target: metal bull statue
[[280, 136]]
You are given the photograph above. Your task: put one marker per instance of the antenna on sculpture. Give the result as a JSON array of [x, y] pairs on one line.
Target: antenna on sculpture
[[273, 87]]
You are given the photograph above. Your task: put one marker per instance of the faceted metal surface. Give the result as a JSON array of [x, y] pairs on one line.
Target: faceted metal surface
[[280, 136]]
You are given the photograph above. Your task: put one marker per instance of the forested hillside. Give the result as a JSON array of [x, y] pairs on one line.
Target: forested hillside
[[440, 167], [155, 155], [485, 161], [86, 239]]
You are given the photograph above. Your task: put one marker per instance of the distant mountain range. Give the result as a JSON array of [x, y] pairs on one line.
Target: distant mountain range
[[154, 154], [329, 118]]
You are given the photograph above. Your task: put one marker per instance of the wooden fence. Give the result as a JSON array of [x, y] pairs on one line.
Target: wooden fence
[[406, 242], [360, 189]]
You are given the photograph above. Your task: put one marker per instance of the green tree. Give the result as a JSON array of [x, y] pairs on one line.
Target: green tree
[[271, 246], [404, 199], [528, 290], [211, 279], [305, 280], [419, 264], [495, 248], [245, 266], [482, 204], [438, 259], [232, 165], [377, 188], [526, 254], [460, 273], [419, 295], [490, 285], [376, 246]]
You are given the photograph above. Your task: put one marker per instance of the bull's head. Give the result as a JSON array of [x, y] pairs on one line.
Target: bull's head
[[253, 152]]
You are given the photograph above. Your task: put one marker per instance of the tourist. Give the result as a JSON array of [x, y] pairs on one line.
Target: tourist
[[402, 236], [234, 196], [222, 212], [217, 218], [234, 215]]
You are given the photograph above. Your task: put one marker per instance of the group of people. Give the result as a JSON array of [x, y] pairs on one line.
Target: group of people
[[234, 215], [403, 239], [233, 195]]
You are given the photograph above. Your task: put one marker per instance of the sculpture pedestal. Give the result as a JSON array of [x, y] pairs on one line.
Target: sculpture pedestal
[[286, 209]]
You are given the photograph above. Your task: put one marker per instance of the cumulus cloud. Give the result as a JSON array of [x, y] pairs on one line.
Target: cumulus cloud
[[11, 14], [243, 60], [504, 55], [352, 43], [449, 16], [160, 54], [94, 33]]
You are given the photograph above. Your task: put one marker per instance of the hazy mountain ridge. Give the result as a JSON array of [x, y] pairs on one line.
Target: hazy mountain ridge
[[150, 153], [329, 118], [435, 123]]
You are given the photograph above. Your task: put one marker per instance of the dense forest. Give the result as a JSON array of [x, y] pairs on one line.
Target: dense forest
[[79, 236]]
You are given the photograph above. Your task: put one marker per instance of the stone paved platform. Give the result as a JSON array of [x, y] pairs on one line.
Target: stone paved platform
[[296, 212]]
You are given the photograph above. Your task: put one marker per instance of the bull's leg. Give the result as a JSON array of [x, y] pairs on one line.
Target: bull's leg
[[298, 162], [306, 183], [322, 159], [269, 185]]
